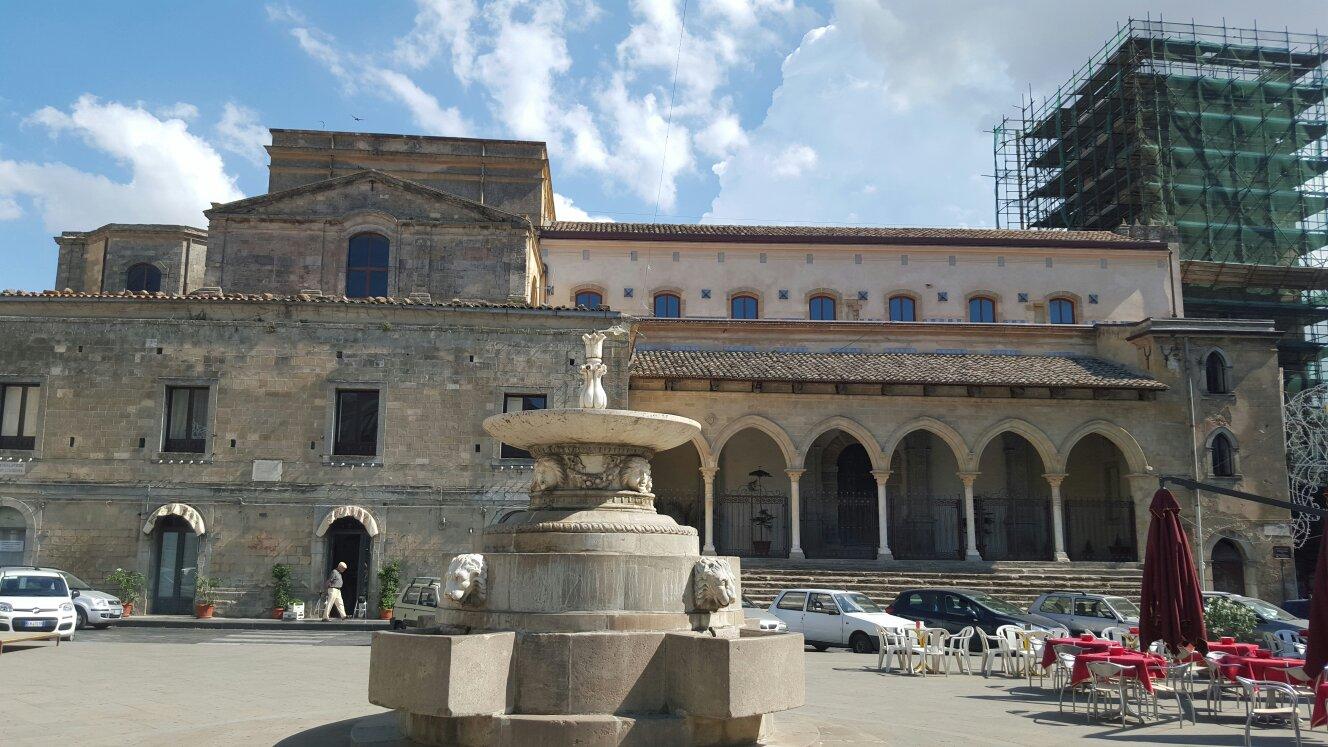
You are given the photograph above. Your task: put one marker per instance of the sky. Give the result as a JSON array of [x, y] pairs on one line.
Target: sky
[[874, 112]]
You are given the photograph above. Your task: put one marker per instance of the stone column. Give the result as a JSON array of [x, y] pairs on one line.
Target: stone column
[[708, 475], [882, 514], [795, 520], [1054, 479], [1142, 487], [969, 523]]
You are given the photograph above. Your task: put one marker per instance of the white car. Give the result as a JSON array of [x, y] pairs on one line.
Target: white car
[[757, 617], [34, 601], [834, 617], [94, 608]]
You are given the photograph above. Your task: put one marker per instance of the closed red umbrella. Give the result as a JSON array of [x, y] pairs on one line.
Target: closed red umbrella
[[1171, 608], [1316, 653]]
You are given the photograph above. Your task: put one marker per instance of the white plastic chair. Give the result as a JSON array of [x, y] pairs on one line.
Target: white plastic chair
[[1284, 643], [1011, 644], [892, 643], [935, 651], [992, 650], [957, 648], [1116, 634], [1273, 695], [1061, 632]]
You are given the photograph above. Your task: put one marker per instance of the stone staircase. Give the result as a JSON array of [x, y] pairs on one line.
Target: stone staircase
[[1016, 582]]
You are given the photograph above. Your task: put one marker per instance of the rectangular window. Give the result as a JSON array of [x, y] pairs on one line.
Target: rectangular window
[[18, 416], [186, 419], [521, 403], [357, 423], [793, 600]]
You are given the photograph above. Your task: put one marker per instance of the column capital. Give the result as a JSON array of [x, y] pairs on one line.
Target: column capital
[[882, 476], [708, 473], [794, 474], [1054, 479], [968, 478]]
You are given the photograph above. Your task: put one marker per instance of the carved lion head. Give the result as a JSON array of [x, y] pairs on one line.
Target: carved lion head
[[466, 579], [714, 584]]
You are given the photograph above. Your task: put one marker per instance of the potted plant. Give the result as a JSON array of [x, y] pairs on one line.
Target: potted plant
[[1226, 618], [130, 585], [281, 590], [763, 520], [389, 581], [205, 597]]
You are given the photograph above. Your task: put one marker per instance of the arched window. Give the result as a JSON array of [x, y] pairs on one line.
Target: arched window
[[743, 307], [903, 309], [981, 309], [668, 306], [1224, 456], [1215, 374], [589, 299], [821, 308], [366, 266], [1061, 311], [143, 277]]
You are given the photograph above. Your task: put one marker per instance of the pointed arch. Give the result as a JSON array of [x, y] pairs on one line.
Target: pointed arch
[[766, 426], [357, 513], [942, 431], [188, 513], [709, 457], [848, 425], [1129, 447], [1051, 459]]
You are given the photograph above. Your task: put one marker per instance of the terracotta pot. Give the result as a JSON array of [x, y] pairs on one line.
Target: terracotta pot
[[128, 609], [385, 614], [204, 611], [278, 612]]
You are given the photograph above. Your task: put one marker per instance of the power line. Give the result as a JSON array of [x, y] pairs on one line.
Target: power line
[[673, 94]]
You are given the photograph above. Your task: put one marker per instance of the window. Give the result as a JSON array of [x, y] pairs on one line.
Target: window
[[821, 308], [1224, 456], [589, 299], [668, 306], [822, 603], [792, 601], [1090, 607], [366, 266], [903, 309], [521, 403], [357, 423], [18, 416], [143, 277], [186, 419], [1056, 605], [1061, 311], [743, 307], [1215, 374], [981, 309]]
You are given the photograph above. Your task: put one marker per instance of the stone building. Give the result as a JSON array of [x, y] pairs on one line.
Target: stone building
[[305, 382]]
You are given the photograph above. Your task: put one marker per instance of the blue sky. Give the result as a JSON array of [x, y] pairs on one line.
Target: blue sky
[[827, 111]]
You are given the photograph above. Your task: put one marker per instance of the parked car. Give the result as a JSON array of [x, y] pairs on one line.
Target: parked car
[[1080, 611], [1298, 607], [36, 601], [418, 600], [955, 609], [759, 618], [94, 608], [834, 617], [1270, 617]]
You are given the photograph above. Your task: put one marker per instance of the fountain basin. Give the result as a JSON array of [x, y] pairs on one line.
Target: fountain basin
[[646, 430]]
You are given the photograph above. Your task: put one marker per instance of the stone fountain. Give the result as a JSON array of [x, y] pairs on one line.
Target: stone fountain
[[588, 618]]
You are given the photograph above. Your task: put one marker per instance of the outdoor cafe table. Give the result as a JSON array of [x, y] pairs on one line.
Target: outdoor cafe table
[[1257, 667], [1091, 646], [1143, 667], [1229, 646]]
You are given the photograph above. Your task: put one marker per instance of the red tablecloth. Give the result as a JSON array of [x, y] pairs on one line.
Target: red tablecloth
[[1156, 667], [1095, 646], [1257, 667], [1320, 715], [1240, 649]]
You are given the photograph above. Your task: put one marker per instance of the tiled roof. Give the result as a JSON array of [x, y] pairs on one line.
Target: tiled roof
[[462, 303], [890, 368], [840, 235]]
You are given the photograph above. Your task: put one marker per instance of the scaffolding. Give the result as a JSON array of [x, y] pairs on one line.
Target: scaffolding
[[1217, 131]]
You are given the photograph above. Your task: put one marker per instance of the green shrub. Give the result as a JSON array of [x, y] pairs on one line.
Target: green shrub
[[1226, 618], [129, 584], [281, 586], [205, 590], [389, 583]]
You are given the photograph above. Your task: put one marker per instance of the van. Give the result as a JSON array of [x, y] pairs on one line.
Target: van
[[418, 604]]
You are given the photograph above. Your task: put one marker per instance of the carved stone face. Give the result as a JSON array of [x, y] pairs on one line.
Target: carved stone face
[[714, 584], [466, 579]]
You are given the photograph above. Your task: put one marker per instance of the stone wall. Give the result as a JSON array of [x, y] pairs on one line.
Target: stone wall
[[99, 261]]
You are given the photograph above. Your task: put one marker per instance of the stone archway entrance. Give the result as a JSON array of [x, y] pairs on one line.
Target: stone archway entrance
[[839, 512], [175, 566], [1228, 567], [752, 516], [349, 542]]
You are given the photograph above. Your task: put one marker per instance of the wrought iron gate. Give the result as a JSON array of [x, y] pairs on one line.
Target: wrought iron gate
[[841, 525], [927, 527], [1100, 529], [751, 524], [1013, 527]]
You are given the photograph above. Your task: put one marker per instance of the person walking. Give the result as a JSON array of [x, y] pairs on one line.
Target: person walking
[[333, 584]]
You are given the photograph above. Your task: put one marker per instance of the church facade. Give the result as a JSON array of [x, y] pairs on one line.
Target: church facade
[[305, 382]]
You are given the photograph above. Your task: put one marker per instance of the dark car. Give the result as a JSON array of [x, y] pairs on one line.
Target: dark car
[[955, 609], [1299, 608]]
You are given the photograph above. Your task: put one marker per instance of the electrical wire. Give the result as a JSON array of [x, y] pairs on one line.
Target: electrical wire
[[673, 94]]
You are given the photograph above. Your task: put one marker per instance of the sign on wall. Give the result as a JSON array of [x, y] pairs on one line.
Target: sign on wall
[[13, 468], [11, 545], [1282, 552]]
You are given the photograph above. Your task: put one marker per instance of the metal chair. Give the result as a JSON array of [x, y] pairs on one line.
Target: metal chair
[[1108, 680], [1284, 643], [1179, 682], [1218, 684], [1029, 654], [1063, 671], [1274, 694]]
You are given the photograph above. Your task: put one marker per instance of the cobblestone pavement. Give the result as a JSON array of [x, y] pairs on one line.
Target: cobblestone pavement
[[120, 691]]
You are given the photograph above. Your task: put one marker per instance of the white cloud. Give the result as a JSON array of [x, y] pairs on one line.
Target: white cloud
[[565, 209], [439, 24], [9, 209], [178, 110], [424, 108], [239, 132], [793, 160], [173, 173]]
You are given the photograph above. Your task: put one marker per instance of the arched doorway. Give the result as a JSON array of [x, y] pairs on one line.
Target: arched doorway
[[175, 566], [1099, 513], [13, 536], [839, 511], [926, 500], [349, 542], [678, 487], [1012, 501], [1228, 564], [752, 497]]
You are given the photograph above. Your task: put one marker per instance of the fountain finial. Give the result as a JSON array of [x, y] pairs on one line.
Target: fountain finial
[[593, 396]]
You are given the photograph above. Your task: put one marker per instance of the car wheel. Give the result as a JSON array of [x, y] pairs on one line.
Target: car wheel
[[820, 646], [861, 643], [69, 637], [82, 619]]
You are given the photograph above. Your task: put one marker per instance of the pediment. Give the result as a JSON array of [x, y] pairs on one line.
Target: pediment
[[367, 191]]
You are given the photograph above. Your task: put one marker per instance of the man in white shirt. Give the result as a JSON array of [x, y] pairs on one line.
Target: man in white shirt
[[333, 584]]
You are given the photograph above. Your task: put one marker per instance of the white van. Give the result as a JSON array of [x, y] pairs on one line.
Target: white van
[[36, 601], [418, 600]]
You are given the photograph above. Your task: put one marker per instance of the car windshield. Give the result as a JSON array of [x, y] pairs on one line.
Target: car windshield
[[1125, 607], [856, 603], [749, 603], [33, 586], [75, 582], [1268, 611], [996, 605]]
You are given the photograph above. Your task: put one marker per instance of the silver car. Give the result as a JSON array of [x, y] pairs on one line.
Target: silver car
[[757, 617], [1082, 612], [95, 609]]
